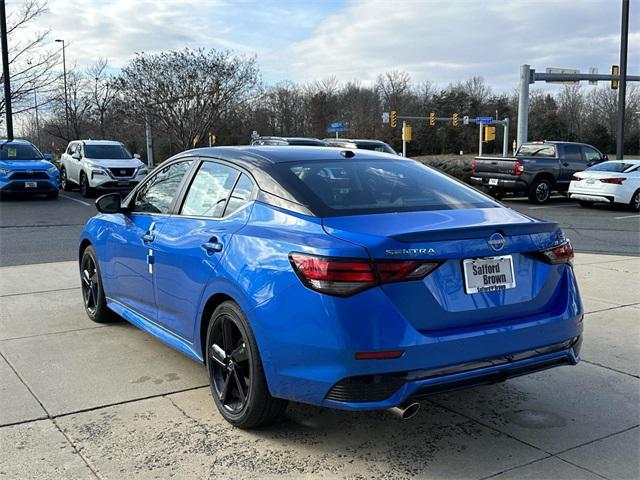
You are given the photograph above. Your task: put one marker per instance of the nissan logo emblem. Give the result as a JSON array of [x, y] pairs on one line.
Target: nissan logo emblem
[[123, 172], [496, 241]]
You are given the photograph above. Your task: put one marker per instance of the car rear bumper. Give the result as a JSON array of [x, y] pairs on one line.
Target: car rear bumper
[[605, 195], [509, 183], [309, 355]]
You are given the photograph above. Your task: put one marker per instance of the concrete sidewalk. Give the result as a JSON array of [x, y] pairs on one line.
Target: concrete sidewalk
[[82, 400]]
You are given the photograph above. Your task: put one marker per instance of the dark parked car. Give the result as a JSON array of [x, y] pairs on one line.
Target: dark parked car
[[283, 141], [537, 169], [365, 144]]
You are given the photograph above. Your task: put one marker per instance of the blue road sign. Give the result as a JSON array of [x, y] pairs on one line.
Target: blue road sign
[[336, 127], [484, 120]]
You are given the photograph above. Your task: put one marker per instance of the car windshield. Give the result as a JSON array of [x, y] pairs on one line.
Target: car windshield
[[19, 151], [617, 167], [376, 147], [111, 152], [351, 187], [536, 150]]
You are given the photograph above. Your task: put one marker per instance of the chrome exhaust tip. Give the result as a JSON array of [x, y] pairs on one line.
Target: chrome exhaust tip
[[406, 410]]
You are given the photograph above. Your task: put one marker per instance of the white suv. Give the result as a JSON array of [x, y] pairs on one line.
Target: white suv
[[100, 165]]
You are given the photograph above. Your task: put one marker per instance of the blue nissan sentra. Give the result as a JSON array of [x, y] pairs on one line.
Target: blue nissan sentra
[[23, 169], [349, 279]]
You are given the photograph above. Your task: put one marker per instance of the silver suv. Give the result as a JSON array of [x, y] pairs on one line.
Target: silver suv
[[100, 165]]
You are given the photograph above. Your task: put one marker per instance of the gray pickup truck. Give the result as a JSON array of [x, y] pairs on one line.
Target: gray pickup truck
[[537, 169]]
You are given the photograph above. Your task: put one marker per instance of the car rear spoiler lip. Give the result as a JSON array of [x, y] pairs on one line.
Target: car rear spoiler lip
[[477, 231]]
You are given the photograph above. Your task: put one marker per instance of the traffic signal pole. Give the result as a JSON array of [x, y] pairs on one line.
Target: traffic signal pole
[[622, 91], [5, 70]]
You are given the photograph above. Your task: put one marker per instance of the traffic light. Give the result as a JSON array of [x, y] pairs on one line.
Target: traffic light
[[489, 133], [615, 70], [393, 119], [432, 119], [454, 120]]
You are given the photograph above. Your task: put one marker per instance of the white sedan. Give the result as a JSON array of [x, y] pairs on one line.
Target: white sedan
[[616, 181]]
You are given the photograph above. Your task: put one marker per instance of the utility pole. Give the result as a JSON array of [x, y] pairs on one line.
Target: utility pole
[[66, 97], [5, 70], [523, 104], [404, 140], [149, 135], [622, 90]]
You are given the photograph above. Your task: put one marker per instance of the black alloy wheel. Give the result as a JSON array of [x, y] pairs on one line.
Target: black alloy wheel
[[230, 368], [85, 189], [92, 292], [238, 383], [635, 202], [540, 191]]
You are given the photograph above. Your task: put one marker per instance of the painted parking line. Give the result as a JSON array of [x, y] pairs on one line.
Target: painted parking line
[[571, 205], [75, 199], [627, 216]]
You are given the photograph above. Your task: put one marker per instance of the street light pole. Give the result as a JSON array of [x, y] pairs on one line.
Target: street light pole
[[622, 90], [5, 70], [66, 98]]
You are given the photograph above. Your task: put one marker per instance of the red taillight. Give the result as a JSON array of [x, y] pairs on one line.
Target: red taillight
[[473, 166], [615, 181], [562, 253], [518, 168], [575, 178], [343, 277]]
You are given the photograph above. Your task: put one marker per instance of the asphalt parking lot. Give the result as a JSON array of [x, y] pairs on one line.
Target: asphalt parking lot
[[82, 400], [36, 230]]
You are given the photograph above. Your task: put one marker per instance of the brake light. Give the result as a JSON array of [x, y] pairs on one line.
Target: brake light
[[473, 165], [615, 181], [562, 253], [518, 168], [344, 277], [575, 178]]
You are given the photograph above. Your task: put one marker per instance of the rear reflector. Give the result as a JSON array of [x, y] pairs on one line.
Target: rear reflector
[[562, 253], [615, 181], [344, 277], [474, 165], [379, 355]]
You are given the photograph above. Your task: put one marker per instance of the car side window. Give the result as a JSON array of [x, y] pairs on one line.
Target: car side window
[[157, 194], [209, 191], [240, 196], [591, 155], [572, 153]]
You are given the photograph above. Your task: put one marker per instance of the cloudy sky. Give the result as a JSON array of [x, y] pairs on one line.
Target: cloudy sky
[[300, 40]]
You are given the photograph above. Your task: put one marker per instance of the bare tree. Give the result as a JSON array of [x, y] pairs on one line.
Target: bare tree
[[188, 92], [31, 64], [103, 92]]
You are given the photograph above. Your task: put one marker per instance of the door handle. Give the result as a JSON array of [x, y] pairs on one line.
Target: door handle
[[212, 246], [565, 164]]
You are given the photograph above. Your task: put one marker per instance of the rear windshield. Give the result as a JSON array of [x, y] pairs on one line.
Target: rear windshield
[[618, 167], [19, 151], [536, 150], [351, 187], [112, 152]]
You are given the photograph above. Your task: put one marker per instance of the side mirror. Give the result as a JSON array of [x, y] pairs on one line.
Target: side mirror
[[109, 203], [136, 155], [48, 157], [76, 156], [605, 157]]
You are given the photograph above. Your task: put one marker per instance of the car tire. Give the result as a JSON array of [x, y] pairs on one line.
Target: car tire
[[95, 304], [85, 189], [634, 204], [65, 184], [585, 204], [540, 191], [52, 195], [236, 375]]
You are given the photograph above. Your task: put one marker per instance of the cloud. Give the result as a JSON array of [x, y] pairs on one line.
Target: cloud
[[436, 40]]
